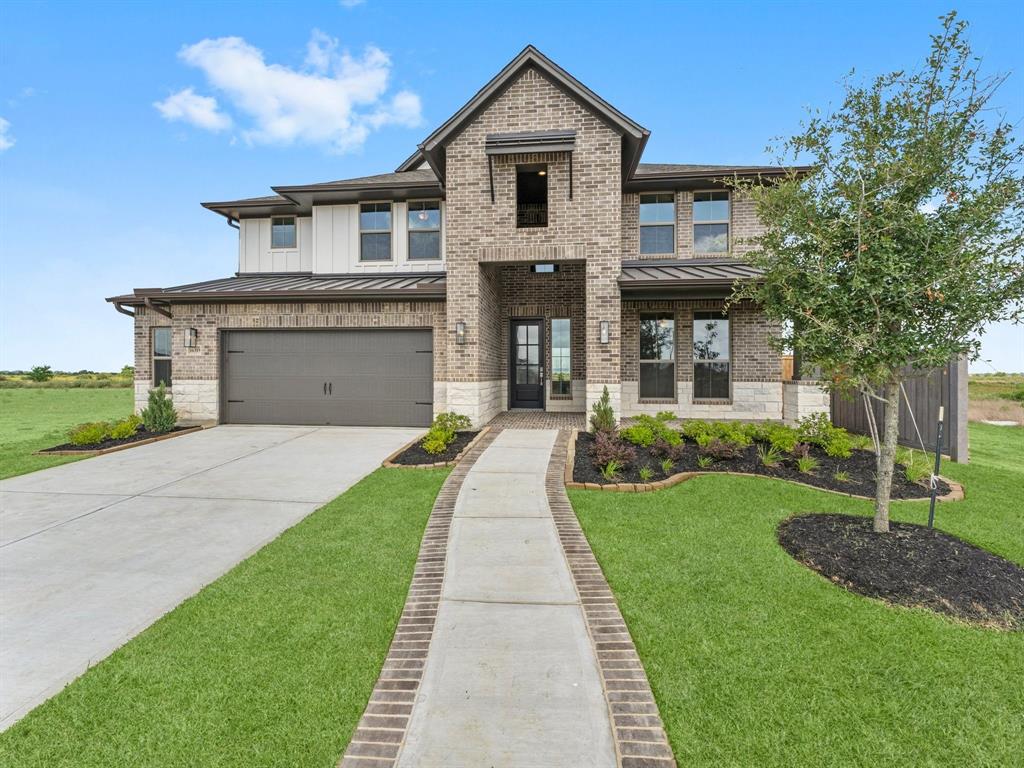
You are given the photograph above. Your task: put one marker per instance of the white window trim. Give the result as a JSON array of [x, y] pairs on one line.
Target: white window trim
[[295, 223], [409, 230], [360, 231], [694, 223], [674, 223]]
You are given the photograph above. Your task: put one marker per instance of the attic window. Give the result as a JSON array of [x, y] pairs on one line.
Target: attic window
[[531, 196]]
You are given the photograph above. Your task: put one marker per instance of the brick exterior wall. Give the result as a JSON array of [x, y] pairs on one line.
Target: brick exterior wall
[[743, 225], [479, 232]]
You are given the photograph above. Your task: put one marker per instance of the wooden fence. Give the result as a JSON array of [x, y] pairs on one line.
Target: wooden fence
[[926, 392]]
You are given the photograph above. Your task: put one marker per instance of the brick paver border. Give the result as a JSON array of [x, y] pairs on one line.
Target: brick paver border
[[639, 734], [382, 729]]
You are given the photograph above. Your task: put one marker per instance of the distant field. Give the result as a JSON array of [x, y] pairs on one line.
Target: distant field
[[991, 397], [63, 380], [36, 418]]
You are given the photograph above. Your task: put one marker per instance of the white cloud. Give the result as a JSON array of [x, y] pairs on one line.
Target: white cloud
[[350, 3], [6, 140], [189, 106], [335, 100]]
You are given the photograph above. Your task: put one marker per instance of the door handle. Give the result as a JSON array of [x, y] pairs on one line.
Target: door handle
[[325, 387], [330, 388], [542, 374]]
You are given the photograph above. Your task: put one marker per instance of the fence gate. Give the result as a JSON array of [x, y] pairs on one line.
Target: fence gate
[[926, 391]]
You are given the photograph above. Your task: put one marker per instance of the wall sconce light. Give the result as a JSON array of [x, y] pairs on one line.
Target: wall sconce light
[[606, 330], [460, 332], [191, 336]]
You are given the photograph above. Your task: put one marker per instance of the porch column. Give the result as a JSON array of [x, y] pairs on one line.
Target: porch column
[[604, 305]]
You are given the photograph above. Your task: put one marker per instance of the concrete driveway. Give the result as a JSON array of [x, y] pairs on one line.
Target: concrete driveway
[[92, 553]]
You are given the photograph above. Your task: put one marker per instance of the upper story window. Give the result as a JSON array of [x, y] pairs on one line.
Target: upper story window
[[424, 230], [375, 232], [711, 222], [658, 223], [282, 232], [162, 356], [531, 195]]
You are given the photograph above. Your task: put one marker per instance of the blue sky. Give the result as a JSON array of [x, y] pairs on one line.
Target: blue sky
[[120, 118]]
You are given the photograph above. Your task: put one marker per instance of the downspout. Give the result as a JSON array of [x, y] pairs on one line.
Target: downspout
[[232, 222], [120, 308]]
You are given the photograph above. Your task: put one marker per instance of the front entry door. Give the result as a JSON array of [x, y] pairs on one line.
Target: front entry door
[[527, 375]]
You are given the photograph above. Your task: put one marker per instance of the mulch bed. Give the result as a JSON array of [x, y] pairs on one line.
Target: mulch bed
[[911, 566], [860, 467], [416, 455], [142, 434]]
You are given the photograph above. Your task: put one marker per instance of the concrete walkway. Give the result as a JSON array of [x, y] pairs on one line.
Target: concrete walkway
[[92, 553], [511, 677]]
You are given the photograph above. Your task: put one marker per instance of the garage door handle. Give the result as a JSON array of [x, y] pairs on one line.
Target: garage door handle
[[330, 388], [325, 387]]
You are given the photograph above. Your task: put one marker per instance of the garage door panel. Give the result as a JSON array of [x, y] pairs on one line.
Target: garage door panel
[[374, 377]]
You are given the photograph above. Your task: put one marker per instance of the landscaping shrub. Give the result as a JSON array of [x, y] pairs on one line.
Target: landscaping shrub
[[443, 432], [638, 434], [669, 416], [40, 373], [819, 430], [720, 449], [695, 429], [125, 428], [159, 414], [769, 456], [782, 438], [801, 450], [89, 434], [663, 449], [602, 417], [645, 430], [608, 448]]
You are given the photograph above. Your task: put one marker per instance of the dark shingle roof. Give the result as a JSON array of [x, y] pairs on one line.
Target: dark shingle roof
[[686, 169], [420, 176]]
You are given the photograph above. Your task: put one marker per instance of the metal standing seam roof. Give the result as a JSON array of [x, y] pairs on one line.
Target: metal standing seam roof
[[697, 272], [414, 286]]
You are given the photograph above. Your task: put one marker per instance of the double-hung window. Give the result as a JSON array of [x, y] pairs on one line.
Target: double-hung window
[[710, 356], [424, 230], [162, 356], [657, 356], [375, 232], [658, 224], [711, 222], [561, 355], [282, 232]]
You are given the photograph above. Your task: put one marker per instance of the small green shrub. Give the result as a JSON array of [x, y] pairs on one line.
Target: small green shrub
[[669, 416], [807, 464], [159, 414], [125, 427], [646, 473], [916, 466], [646, 430], [667, 465], [862, 443], [637, 434], [695, 429], [841, 477], [769, 456], [40, 373], [608, 448], [602, 417], [89, 434], [1018, 396], [451, 421], [665, 450], [819, 430], [782, 438], [610, 471], [704, 461], [436, 441], [720, 449]]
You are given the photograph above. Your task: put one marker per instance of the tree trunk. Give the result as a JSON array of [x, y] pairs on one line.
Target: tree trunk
[[887, 455]]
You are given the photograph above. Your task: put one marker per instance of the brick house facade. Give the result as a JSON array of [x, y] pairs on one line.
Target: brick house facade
[[524, 209]]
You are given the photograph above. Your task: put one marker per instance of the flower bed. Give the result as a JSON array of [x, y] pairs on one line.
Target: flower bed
[[141, 435], [414, 455]]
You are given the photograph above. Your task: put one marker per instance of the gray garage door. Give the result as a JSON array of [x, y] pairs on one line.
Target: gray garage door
[[351, 377]]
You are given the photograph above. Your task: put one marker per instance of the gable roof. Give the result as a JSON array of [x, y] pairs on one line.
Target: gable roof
[[634, 135]]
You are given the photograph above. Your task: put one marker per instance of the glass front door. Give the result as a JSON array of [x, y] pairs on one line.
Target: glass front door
[[526, 388]]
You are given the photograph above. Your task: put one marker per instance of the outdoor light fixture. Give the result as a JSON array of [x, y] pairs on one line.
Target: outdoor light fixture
[[542, 173], [605, 331], [191, 335], [460, 332]]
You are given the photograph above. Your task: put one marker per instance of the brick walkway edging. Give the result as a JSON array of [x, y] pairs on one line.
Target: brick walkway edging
[[639, 735], [381, 731]]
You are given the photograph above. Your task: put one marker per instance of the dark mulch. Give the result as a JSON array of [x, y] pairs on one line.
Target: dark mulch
[[860, 467], [911, 565], [416, 455], [142, 434]]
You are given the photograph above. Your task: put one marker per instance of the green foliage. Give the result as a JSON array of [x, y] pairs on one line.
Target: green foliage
[[89, 433], [807, 464], [667, 465], [733, 433], [704, 461], [452, 422], [645, 430], [125, 427], [608, 447], [769, 456], [443, 431], [695, 429], [916, 466], [40, 373], [819, 430], [1018, 396], [665, 416], [646, 473], [602, 417], [719, 448], [436, 441], [637, 434], [841, 477], [127, 372], [159, 414], [610, 471]]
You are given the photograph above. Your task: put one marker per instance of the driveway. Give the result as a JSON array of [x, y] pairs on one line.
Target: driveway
[[92, 553]]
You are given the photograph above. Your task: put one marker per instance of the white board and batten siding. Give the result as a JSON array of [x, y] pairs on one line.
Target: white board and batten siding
[[256, 255], [336, 242]]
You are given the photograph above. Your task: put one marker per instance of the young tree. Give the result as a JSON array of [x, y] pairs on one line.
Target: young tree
[[903, 239]]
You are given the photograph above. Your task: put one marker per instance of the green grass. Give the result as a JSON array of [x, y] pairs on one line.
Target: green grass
[[270, 665], [32, 419], [992, 386], [756, 660]]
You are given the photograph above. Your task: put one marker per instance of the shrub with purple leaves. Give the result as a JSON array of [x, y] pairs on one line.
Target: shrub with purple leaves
[[720, 449], [607, 448], [666, 450]]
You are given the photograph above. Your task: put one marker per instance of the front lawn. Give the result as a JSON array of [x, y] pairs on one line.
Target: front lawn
[[756, 660], [270, 665], [33, 419]]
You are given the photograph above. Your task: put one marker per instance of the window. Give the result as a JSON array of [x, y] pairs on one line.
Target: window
[[531, 196], [282, 232], [544, 269], [710, 222], [162, 356], [658, 223], [424, 230], [710, 356], [561, 354], [375, 232], [657, 356]]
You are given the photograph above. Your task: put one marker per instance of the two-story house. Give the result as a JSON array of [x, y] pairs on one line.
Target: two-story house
[[522, 258]]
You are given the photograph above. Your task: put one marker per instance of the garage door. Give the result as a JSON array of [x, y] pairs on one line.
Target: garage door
[[353, 377]]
